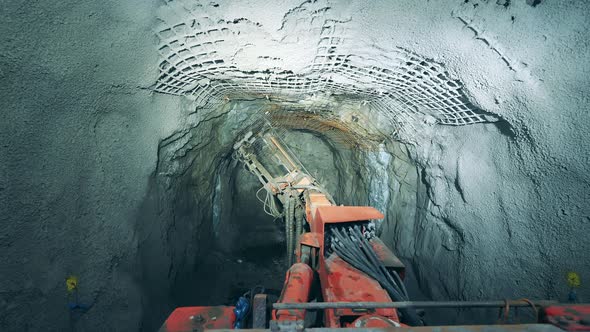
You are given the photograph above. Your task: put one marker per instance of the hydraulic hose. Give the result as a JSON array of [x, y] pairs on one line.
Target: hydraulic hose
[[355, 249], [290, 225], [298, 224]]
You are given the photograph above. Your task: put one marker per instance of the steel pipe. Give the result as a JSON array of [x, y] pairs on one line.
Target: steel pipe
[[411, 304]]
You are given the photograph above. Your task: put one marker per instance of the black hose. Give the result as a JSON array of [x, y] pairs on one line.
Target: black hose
[[354, 248], [288, 229], [375, 261], [362, 258], [298, 223], [290, 224], [368, 249], [346, 246]]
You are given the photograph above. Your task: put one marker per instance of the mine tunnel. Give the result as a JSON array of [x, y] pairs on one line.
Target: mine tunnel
[[464, 122]]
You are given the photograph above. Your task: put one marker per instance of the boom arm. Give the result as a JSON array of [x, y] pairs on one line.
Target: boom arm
[[285, 180], [332, 233]]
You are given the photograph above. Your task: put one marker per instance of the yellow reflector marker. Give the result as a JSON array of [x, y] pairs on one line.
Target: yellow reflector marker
[[71, 283], [573, 279]]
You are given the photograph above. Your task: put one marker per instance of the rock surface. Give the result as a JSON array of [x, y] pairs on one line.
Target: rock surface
[[113, 176]]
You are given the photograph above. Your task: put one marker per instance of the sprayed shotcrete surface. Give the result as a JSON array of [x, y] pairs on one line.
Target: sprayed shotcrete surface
[[119, 118]]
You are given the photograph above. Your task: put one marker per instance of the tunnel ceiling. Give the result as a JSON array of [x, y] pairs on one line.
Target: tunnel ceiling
[[464, 121], [307, 64]]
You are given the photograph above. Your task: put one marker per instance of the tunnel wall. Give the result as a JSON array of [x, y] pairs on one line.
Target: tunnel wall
[[82, 135], [80, 132]]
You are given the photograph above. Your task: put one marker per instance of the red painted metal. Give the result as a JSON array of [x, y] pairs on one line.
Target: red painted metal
[[311, 240], [189, 319], [572, 317], [295, 290], [342, 283], [387, 257], [313, 200], [373, 321], [455, 328], [334, 214], [315, 242]]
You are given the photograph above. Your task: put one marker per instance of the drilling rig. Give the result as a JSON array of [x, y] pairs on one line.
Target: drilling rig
[[341, 275]]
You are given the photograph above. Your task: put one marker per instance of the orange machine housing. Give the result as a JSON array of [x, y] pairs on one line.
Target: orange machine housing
[[340, 282], [189, 319], [295, 290]]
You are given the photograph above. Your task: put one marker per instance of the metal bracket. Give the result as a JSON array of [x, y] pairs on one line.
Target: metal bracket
[[286, 325], [259, 311]]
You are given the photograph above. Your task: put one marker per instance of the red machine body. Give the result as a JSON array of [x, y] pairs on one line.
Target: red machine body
[[340, 282], [189, 319], [343, 283], [568, 317], [296, 290]]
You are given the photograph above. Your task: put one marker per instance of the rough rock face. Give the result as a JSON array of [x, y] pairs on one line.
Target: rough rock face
[[464, 121]]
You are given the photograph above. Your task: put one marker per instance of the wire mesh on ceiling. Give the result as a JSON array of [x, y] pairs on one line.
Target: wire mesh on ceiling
[[195, 62]]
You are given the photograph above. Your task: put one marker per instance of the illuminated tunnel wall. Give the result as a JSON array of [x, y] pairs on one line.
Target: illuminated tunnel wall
[[465, 122]]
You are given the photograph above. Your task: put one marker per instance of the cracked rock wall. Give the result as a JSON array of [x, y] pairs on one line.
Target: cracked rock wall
[[115, 123]]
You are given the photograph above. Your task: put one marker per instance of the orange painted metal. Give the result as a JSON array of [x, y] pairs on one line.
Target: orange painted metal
[[569, 317], [387, 257], [295, 290], [343, 283], [189, 319], [374, 321], [311, 240], [340, 282], [313, 201], [335, 214]]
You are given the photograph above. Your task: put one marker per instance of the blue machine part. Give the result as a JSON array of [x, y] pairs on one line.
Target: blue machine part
[[241, 310]]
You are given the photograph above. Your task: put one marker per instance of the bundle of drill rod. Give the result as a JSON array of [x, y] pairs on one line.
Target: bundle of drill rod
[[353, 247]]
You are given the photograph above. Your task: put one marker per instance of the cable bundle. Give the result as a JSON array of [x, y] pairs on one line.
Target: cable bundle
[[352, 246], [270, 206]]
